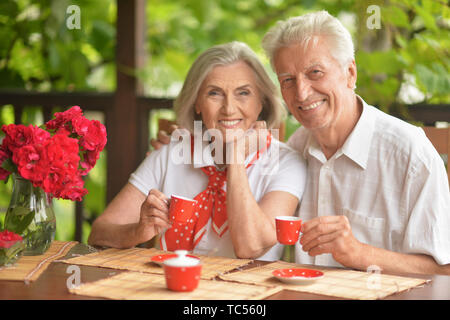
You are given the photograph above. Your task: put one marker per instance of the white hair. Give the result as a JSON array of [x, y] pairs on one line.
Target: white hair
[[307, 27]]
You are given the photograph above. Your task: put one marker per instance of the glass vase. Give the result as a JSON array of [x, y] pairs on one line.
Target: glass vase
[[30, 214]]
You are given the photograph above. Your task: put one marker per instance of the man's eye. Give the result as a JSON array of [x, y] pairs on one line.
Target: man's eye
[[315, 73], [287, 82]]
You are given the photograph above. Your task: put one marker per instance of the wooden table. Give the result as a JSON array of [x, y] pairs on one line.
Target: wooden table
[[52, 285]]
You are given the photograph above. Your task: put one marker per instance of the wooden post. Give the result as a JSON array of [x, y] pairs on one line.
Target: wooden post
[[123, 119]]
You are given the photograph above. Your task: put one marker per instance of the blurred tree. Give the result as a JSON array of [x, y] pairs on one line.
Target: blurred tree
[[39, 52]]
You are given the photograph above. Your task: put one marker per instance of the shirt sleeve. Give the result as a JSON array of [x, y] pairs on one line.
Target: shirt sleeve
[[150, 172], [289, 173], [428, 201]]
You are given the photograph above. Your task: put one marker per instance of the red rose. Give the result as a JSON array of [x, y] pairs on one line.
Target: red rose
[[62, 148], [52, 161], [95, 137], [81, 125], [29, 160], [39, 135], [8, 239], [74, 191], [64, 119], [18, 136], [64, 184]]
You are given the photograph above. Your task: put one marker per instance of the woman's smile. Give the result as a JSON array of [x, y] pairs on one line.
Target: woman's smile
[[230, 124]]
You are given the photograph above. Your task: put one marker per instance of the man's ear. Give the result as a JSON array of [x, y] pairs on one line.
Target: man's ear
[[352, 74]]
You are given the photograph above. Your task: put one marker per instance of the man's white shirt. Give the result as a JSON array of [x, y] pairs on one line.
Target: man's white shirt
[[387, 179]]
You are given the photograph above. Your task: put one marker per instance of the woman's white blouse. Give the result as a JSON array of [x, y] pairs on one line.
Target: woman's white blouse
[[278, 169]]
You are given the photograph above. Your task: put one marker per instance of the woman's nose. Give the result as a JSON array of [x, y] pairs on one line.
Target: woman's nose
[[229, 105]]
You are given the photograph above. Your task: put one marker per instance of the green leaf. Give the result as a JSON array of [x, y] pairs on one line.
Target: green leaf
[[9, 8], [395, 16], [9, 165], [435, 80], [18, 223], [102, 38], [427, 17], [20, 211], [377, 62]]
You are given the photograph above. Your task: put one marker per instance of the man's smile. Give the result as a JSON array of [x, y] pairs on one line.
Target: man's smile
[[312, 105]]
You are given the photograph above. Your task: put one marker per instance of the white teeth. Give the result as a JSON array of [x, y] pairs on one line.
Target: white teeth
[[312, 106], [230, 123]]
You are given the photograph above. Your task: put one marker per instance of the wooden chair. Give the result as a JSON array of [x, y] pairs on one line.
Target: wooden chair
[[440, 138]]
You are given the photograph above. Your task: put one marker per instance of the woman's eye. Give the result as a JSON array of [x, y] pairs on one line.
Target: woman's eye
[[244, 93], [213, 93]]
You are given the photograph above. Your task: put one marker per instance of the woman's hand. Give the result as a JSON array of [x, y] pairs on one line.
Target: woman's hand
[[154, 216], [248, 143]]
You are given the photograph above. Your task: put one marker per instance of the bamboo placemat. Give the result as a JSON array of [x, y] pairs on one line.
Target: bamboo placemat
[[140, 286], [29, 268], [138, 259], [339, 283]]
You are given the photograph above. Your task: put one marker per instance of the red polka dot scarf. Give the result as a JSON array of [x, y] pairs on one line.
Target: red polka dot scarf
[[211, 203]]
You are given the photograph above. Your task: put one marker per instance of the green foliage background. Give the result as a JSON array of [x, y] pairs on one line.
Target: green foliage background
[[39, 52]]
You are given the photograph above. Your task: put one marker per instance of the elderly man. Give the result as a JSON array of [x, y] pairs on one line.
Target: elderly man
[[377, 193]]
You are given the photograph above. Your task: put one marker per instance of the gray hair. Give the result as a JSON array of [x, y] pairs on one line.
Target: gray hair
[[273, 111], [305, 28]]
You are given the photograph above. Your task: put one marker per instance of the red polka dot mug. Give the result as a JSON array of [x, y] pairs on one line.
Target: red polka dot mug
[[181, 209], [183, 272], [288, 229]]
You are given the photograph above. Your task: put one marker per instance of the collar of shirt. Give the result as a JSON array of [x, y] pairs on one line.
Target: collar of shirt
[[357, 145]]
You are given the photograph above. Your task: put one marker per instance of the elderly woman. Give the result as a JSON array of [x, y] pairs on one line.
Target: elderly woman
[[228, 90]]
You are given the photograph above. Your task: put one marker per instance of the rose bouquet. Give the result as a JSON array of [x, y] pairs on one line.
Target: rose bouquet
[[56, 156], [47, 162]]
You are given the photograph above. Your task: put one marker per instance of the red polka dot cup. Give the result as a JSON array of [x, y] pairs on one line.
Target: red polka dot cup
[[181, 209], [182, 273], [288, 229]]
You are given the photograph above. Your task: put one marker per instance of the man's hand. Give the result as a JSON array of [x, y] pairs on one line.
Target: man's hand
[[154, 216], [332, 234], [163, 138]]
